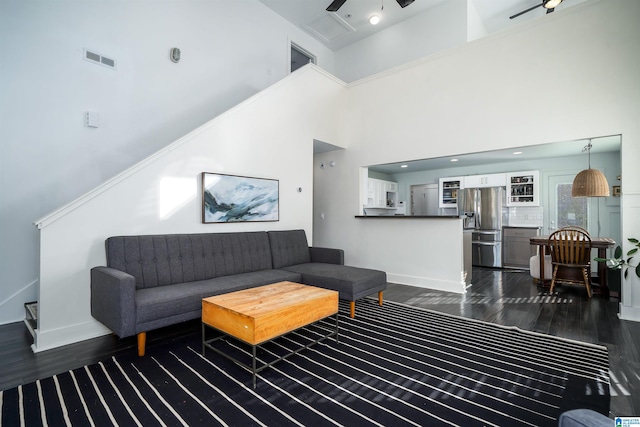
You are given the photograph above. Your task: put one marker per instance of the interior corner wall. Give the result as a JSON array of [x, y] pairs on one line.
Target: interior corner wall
[[475, 26], [231, 50], [492, 94], [441, 27], [163, 193]]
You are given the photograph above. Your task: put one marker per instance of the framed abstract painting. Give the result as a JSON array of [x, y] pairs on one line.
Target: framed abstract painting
[[231, 198]]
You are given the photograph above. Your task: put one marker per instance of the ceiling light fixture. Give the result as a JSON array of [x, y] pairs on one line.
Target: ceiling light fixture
[[404, 166], [454, 160], [374, 20], [551, 4], [515, 153], [590, 182]]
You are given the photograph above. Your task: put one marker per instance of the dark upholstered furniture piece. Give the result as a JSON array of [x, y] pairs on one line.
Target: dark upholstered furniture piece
[[155, 281]]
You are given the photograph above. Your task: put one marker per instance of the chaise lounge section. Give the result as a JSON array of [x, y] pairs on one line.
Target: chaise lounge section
[[155, 281], [324, 268]]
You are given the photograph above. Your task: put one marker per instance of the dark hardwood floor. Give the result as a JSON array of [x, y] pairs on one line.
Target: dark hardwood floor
[[500, 296]]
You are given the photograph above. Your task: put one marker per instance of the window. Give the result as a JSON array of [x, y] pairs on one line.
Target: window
[[571, 210]]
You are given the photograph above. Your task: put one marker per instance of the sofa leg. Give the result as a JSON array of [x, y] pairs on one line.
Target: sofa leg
[[142, 342], [380, 298], [352, 305]]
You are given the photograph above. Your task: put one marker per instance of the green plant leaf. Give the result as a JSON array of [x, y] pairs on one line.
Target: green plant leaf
[[632, 251], [618, 252], [634, 241], [638, 270], [626, 273]]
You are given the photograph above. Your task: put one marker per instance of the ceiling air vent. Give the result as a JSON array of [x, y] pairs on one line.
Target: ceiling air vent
[[99, 59]]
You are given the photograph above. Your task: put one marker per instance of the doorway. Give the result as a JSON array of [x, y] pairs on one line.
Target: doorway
[[565, 210], [300, 57], [424, 199]]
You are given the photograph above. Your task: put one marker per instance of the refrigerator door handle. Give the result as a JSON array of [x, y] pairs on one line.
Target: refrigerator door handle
[[479, 243]]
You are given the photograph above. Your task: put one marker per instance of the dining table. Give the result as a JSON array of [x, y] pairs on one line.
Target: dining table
[[599, 243]]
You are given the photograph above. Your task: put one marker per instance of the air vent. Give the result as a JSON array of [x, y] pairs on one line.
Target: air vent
[[99, 59], [328, 26]]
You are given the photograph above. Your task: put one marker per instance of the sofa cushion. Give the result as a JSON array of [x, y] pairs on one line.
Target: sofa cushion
[[165, 301], [289, 248], [177, 258], [351, 282]]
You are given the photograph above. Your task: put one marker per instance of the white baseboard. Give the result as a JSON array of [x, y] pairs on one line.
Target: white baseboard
[[428, 283], [629, 313], [46, 340]]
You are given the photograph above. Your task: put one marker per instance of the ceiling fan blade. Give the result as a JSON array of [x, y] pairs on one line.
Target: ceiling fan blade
[[404, 3], [525, 11], [335, 5]]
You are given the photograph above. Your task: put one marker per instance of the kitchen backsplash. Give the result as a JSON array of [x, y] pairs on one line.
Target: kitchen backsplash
[[525, 216]]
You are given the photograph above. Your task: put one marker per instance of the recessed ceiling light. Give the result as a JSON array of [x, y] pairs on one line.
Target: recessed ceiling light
[[374, 20], [515, 153], [454, 160], [404, 166]]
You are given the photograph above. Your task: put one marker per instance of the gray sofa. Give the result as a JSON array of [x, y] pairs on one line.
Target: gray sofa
[[155, 281]]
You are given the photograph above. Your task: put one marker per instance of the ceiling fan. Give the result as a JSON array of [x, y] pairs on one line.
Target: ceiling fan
[[550, 5], [337, 4]]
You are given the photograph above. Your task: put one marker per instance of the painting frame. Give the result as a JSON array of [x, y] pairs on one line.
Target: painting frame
[[616, 191], [237, 198]]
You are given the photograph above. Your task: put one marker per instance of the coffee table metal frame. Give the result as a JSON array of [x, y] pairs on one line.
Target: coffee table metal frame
[[253, 367]]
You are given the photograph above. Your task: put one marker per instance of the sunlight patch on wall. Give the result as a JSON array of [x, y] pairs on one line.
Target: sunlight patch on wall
[[175, 192]]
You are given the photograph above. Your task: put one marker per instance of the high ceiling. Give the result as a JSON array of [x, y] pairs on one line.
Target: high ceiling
[[351, 22]]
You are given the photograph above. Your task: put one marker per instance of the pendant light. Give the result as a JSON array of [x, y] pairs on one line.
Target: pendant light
[[590, 182]]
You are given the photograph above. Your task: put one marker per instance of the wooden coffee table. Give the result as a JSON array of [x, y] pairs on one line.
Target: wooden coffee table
[[261, 314]]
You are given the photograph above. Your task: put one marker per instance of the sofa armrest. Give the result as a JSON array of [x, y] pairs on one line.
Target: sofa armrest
[[327, 255], [113, 294]]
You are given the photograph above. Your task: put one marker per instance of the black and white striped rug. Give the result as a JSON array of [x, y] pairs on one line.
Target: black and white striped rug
[[393, 365]]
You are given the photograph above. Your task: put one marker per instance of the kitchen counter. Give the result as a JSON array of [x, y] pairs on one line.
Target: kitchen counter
[[516, 250], [423, 251]]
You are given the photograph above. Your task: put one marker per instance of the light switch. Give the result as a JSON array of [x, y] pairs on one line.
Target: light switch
[[91, 119]]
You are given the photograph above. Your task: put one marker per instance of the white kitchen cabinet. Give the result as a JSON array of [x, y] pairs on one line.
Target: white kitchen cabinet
[[448, 191], [487, 180], [381, 193], [523, 188]]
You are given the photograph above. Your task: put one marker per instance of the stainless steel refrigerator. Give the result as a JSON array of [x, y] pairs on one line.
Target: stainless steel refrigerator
[[484, 209]]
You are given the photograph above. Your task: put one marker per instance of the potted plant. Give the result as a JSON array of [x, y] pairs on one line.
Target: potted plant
[[618, 262]]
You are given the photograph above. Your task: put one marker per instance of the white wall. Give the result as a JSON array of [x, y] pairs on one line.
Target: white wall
[[230, 51], [569, 76], [163, 195], [475, 26], [442, 27]]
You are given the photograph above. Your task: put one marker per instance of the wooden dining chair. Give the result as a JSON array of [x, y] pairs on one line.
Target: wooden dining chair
[[576, 227], [570, 257]]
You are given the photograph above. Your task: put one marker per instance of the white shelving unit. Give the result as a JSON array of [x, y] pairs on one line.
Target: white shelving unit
[[523, 188], [448, 191]]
